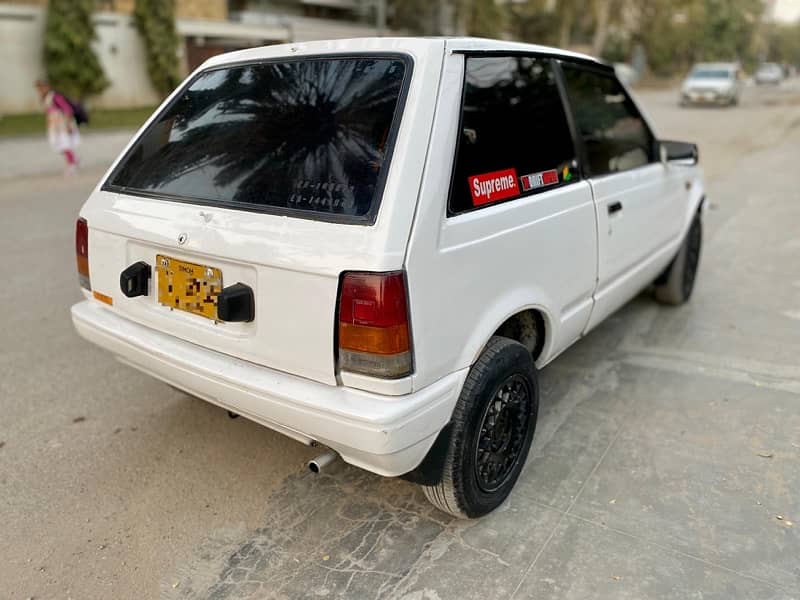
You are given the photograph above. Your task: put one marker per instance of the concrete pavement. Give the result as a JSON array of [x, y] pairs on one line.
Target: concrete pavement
[[667, 447]]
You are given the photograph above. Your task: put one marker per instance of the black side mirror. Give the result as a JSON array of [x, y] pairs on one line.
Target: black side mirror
[[684, 153]]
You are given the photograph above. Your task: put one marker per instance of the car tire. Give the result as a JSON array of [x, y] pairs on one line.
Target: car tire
[[675, 285], [491, 432]]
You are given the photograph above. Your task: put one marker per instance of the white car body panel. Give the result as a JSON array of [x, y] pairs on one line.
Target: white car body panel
[[558, 252], [385, 434], [642, 236], [533, 265]]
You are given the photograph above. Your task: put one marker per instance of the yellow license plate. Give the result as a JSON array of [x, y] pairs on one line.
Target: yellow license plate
[[187, 286]]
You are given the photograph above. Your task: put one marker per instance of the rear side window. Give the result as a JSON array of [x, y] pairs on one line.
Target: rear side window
[[614, 134], [515, 138], [310, 137]]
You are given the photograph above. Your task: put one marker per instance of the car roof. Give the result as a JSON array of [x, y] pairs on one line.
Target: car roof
[[394, 44], [473, 44]]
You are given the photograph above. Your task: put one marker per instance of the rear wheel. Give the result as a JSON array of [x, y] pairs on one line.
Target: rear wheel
[[492, 429], [675, 285]]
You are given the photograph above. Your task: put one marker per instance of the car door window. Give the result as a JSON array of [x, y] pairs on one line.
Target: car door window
[[615, 136], [515, 138]]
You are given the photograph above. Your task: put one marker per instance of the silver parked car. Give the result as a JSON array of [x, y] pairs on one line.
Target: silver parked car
[[711, 83], [769, 74]]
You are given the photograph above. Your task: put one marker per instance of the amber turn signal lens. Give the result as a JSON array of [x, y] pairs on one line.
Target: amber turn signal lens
[[378, 340], [103, 298]]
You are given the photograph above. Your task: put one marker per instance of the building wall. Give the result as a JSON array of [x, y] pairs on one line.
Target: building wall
[[21, 29], [306, 29], [122, 55], [212, 10]]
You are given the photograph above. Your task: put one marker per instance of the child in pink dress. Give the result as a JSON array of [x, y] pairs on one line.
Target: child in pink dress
[[62, 130]]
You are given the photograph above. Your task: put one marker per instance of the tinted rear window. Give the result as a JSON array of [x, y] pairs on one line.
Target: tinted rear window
[[711, 74], [310, 137]]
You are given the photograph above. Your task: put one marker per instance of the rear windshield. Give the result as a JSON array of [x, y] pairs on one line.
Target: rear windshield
[[310, 137]]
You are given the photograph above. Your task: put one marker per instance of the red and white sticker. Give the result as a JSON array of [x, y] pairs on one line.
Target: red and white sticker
[[538, 180], [494, 186]]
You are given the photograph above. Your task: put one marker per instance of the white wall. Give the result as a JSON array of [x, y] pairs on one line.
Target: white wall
[[21, 33], [121, 52]]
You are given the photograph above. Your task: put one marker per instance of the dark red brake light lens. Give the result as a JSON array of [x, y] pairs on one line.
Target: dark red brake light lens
[[82, 252], [374, 333]]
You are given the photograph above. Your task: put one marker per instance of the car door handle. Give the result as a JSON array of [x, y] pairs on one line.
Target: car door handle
[[614, 207]]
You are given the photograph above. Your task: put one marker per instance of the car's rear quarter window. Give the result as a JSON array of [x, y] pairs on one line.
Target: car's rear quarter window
[[515, 139], [309, 136]]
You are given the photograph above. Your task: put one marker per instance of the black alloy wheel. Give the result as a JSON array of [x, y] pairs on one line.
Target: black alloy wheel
[[490, 432], [502, 433]]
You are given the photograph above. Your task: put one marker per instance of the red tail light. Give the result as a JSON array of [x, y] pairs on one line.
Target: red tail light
[[82, 252], [374, 336]]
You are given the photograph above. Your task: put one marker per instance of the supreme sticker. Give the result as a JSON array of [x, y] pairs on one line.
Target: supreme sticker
[[538, 180], [494, 186]]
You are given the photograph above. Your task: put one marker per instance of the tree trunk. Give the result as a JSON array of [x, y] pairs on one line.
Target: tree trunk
[[567, 16], [602, 11]]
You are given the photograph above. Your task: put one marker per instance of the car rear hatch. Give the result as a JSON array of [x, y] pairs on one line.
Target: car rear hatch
[[270, 174]]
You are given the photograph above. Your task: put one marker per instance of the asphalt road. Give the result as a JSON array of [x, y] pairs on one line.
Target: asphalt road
[[665, 463]]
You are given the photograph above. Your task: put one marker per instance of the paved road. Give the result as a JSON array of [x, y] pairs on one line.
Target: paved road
[[31, 155], [668, 443]]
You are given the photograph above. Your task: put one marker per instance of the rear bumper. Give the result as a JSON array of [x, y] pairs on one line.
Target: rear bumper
[[708, 97], [388, 435]]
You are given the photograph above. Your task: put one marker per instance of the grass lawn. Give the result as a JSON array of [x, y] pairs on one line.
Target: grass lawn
[[34, 123]]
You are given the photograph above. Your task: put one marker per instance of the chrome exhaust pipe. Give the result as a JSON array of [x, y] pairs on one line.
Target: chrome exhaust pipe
[[315, 465]]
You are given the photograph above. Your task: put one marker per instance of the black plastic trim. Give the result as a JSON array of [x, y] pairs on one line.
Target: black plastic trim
[[601, 65], [236, 304], [577, 140], [429, 471], [133, 281]]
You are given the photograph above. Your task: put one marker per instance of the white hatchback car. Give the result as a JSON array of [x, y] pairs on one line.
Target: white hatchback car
[[374, 244]]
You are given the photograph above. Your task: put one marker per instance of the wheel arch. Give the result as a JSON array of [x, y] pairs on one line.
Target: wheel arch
[[505, 310], [697, 201]]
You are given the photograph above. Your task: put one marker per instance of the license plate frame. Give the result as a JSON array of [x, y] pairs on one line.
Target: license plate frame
[[188, 287]]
